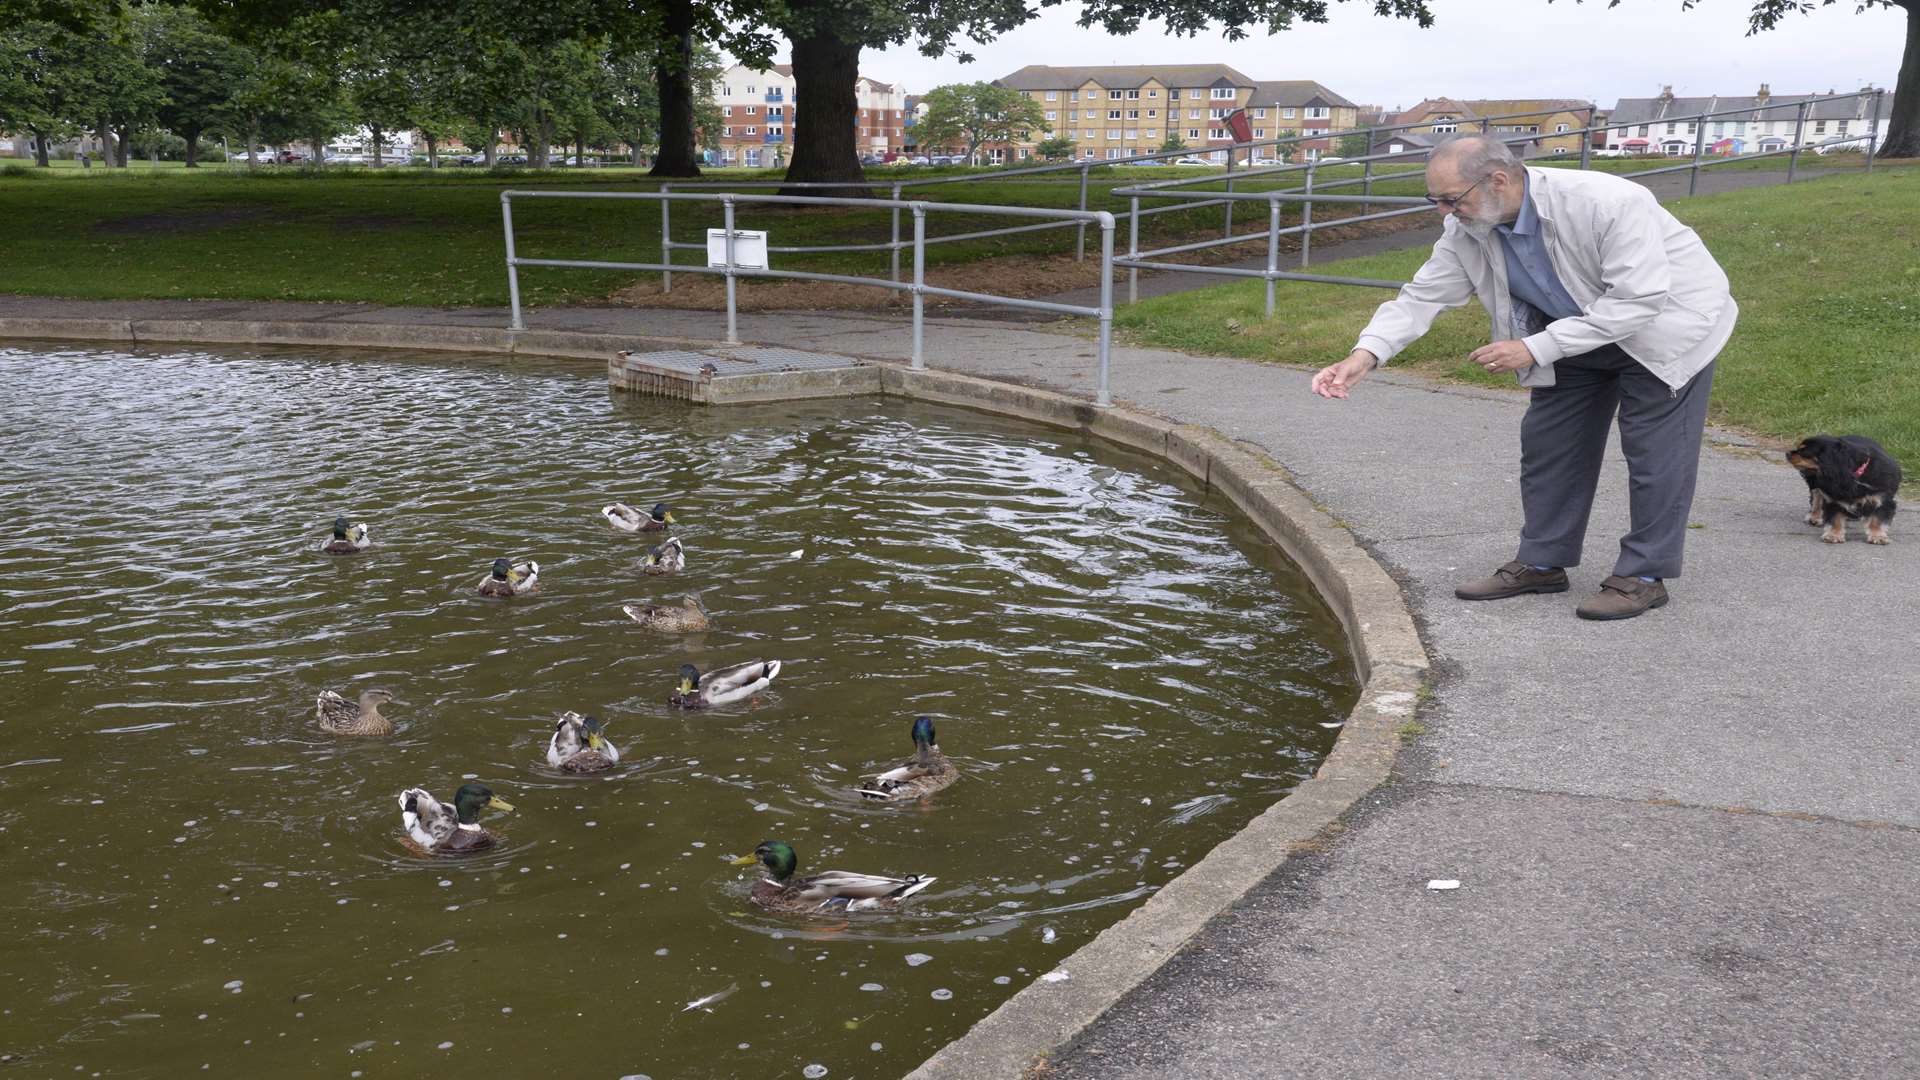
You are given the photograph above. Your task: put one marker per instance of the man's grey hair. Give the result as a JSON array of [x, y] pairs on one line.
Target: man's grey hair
[[1477, 156]]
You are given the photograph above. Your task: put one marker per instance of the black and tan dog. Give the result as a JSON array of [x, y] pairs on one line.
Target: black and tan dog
[[1848, 476]]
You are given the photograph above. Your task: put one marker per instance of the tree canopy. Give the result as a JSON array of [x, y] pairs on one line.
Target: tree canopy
[[972, 114]]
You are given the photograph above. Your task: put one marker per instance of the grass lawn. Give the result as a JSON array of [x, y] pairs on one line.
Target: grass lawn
[[411, 236], [1827, 274]]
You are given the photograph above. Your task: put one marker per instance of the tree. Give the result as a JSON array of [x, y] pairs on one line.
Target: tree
[[200, 71], [1353, 146], [631, 106], [1903, 128], [1057, 148], [976, 113], [1174, 143]]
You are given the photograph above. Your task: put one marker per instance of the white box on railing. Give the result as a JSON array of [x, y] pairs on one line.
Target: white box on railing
[[749, 248]]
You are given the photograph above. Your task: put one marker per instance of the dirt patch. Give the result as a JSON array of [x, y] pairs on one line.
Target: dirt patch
[[184, 221], [1024, 277]]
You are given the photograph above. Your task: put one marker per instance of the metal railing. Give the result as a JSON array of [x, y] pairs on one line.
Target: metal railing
[[1185, 198], [731, 271]]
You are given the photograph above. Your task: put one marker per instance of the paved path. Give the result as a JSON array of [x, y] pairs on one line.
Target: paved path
[[1689, 843]]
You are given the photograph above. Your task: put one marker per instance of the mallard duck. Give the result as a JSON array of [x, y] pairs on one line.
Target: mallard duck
[[347, 539], [578, 745], [511, 578], [722, 687], [689, 618], [441, 829], [926, 772], [667, 558], [829, 891], [340, 718], [627, 519]]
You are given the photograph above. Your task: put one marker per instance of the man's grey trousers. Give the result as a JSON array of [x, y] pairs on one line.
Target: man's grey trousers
[[1563, 436]]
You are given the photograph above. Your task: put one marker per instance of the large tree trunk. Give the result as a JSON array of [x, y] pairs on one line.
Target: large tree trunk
[[493, 148], [193, 147], [318, 150], [673, 71], [826, 70], [1903, 129], [635, 147], [40, 148], [379, 146], [104, 132], [123, 147], [433, 149]]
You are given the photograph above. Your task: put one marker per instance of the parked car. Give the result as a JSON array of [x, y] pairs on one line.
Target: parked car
[[1148, 161], [872, 159], [919, 159], [1266, 162], [289, 157], [1191, 161]]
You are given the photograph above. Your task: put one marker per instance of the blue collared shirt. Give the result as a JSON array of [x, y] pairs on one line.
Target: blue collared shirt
[[1530, 275]]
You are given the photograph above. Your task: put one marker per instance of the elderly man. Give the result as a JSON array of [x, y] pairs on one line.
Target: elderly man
[[1601, 302]]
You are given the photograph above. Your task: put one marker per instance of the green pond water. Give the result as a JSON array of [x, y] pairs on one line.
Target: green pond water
[[195, 877]]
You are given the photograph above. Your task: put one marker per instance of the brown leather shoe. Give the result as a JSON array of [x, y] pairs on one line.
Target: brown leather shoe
[[1513, 579], [1622, 598]]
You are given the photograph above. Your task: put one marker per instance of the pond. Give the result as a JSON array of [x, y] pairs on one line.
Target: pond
[[197, 876]]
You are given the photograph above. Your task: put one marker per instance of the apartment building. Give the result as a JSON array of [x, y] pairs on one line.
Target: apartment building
[[1762, 122], [757, 116], [1300, 107], [1557, 121], [1119, 111]]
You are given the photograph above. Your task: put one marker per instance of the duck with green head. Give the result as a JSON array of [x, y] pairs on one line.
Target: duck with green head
[[579, 745], [339, 718], [347, 539], [667, 558], [723, 687], [627, 519], [509, 578], [832, 890], [926, 772], [442, 829]]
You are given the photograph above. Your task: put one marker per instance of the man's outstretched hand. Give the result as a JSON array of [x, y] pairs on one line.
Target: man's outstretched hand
[[1335, 380]]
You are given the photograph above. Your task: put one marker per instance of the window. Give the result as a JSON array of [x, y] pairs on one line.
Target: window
[[1259, 114], [1692, 127], [1050, 115], [1216, 133], [753, 158], [1559, 150], [1671, 128], [1133, 95], [1259, 133], [726, 110], [1153, 93], [1173, 95], [1193, 114], [1112, 152], [1113, 114], [1560, 129], [1091, 94], [1193, 133], [1843, 127], [726, 91], [1134, 134], [1152, 113], [1216, 114], [1113, 95], [1133, 114], [1150, 136], [1819, 127], [1091, 115], [1288, 114], [774, 110], [1317, 112], [1074, 134], [1719, 129], [749, 131], [1442, 129], [1087, 154], [1113, 134], [750, 90], [1222, 93], [726, 132], [1643, 131], [776, 132], [1053, 95], [1023, 154], [750, 110]]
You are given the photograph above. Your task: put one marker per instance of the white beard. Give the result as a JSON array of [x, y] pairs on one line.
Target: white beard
[[1479, 230]]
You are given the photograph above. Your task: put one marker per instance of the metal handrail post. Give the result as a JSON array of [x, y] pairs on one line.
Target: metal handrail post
[[1103, 397], [1306, 221], [1873, 130], [1586, 146], [733, 327], [1080, 244], [513, 272], [666, 238], [1366, 180], [1229, 229], [1699, 148], [1273, 249], [919, 282], [1799, 127], [1133, 251], [893, 253]]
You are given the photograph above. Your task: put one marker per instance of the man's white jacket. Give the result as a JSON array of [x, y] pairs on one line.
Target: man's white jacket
[[1643, 281]]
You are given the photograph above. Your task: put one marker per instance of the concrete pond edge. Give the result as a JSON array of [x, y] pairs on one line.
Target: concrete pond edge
[[1050, 1013]]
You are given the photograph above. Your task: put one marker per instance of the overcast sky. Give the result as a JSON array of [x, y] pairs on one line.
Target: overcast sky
[[1478, 49]]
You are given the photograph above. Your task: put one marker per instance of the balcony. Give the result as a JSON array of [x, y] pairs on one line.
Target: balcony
[[771, 138], [774, 97]]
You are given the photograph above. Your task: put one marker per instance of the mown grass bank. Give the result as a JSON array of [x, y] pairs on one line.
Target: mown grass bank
[[1827, 274]]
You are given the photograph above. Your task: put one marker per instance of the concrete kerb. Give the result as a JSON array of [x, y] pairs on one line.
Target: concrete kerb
[[1050, 1013]]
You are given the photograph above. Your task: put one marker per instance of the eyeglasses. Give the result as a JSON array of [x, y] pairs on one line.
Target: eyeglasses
[[1454, 200]]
